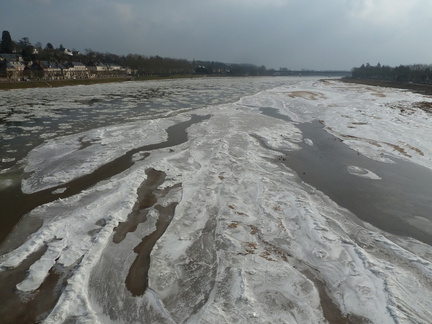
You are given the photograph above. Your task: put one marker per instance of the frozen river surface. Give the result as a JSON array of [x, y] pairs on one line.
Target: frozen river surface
[[250, 200]]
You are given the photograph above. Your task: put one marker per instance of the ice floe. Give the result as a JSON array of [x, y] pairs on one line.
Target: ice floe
[[362, 172], [248, 242]]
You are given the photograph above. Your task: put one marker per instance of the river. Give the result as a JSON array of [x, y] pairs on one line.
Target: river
[[215, 199]]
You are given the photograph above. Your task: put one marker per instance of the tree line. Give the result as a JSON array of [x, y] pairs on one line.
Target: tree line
[[421, 73], [141, 64]]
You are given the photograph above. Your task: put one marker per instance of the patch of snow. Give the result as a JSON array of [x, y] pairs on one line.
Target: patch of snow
[[362, 172], [308, 141]]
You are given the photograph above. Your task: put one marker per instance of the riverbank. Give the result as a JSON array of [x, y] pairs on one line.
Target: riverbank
[[425, 89], [63, 83]]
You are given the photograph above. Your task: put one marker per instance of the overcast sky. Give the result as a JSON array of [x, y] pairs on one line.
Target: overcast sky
[[297, 34]]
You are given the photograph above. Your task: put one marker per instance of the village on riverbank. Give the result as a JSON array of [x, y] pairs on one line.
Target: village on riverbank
[[24, 65]]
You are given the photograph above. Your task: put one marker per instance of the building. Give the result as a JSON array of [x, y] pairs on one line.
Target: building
[[52, 70], [12, 66]]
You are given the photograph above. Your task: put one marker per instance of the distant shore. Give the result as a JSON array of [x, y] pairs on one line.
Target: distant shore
[[61, 83], [425, 89]]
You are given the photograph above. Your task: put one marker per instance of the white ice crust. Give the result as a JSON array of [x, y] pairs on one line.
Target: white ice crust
[[63, 159], [362, 172], [249, 242]]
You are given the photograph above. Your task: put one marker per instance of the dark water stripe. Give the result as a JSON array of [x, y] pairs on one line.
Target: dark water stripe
[[391, 204], [137, 278], [15, 203], [331, 311], [32, 307], [13, 308], [146, 198]]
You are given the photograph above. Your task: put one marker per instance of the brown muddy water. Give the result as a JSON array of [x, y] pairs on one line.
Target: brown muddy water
[[15, 203], [18, 307], [148, 195], [393, 204]]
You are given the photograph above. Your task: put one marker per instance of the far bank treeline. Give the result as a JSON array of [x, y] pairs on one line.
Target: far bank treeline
[[140, 64], [420, 73]]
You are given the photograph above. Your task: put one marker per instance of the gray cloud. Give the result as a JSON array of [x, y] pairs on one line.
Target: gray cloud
[[319, 34]]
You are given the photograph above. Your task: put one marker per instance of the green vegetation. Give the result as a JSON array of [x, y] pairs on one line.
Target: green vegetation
[[70, 82], [56, 83], [419, 73], [6, 44], [31, 56], [25, 61]]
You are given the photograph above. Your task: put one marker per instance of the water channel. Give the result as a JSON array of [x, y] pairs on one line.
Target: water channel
[[397, 203]]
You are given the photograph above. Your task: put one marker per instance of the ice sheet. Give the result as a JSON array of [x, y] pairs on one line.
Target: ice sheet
[[249, 242]]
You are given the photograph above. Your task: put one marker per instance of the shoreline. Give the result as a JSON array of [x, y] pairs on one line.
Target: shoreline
[[6, 85], [424, 89]]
